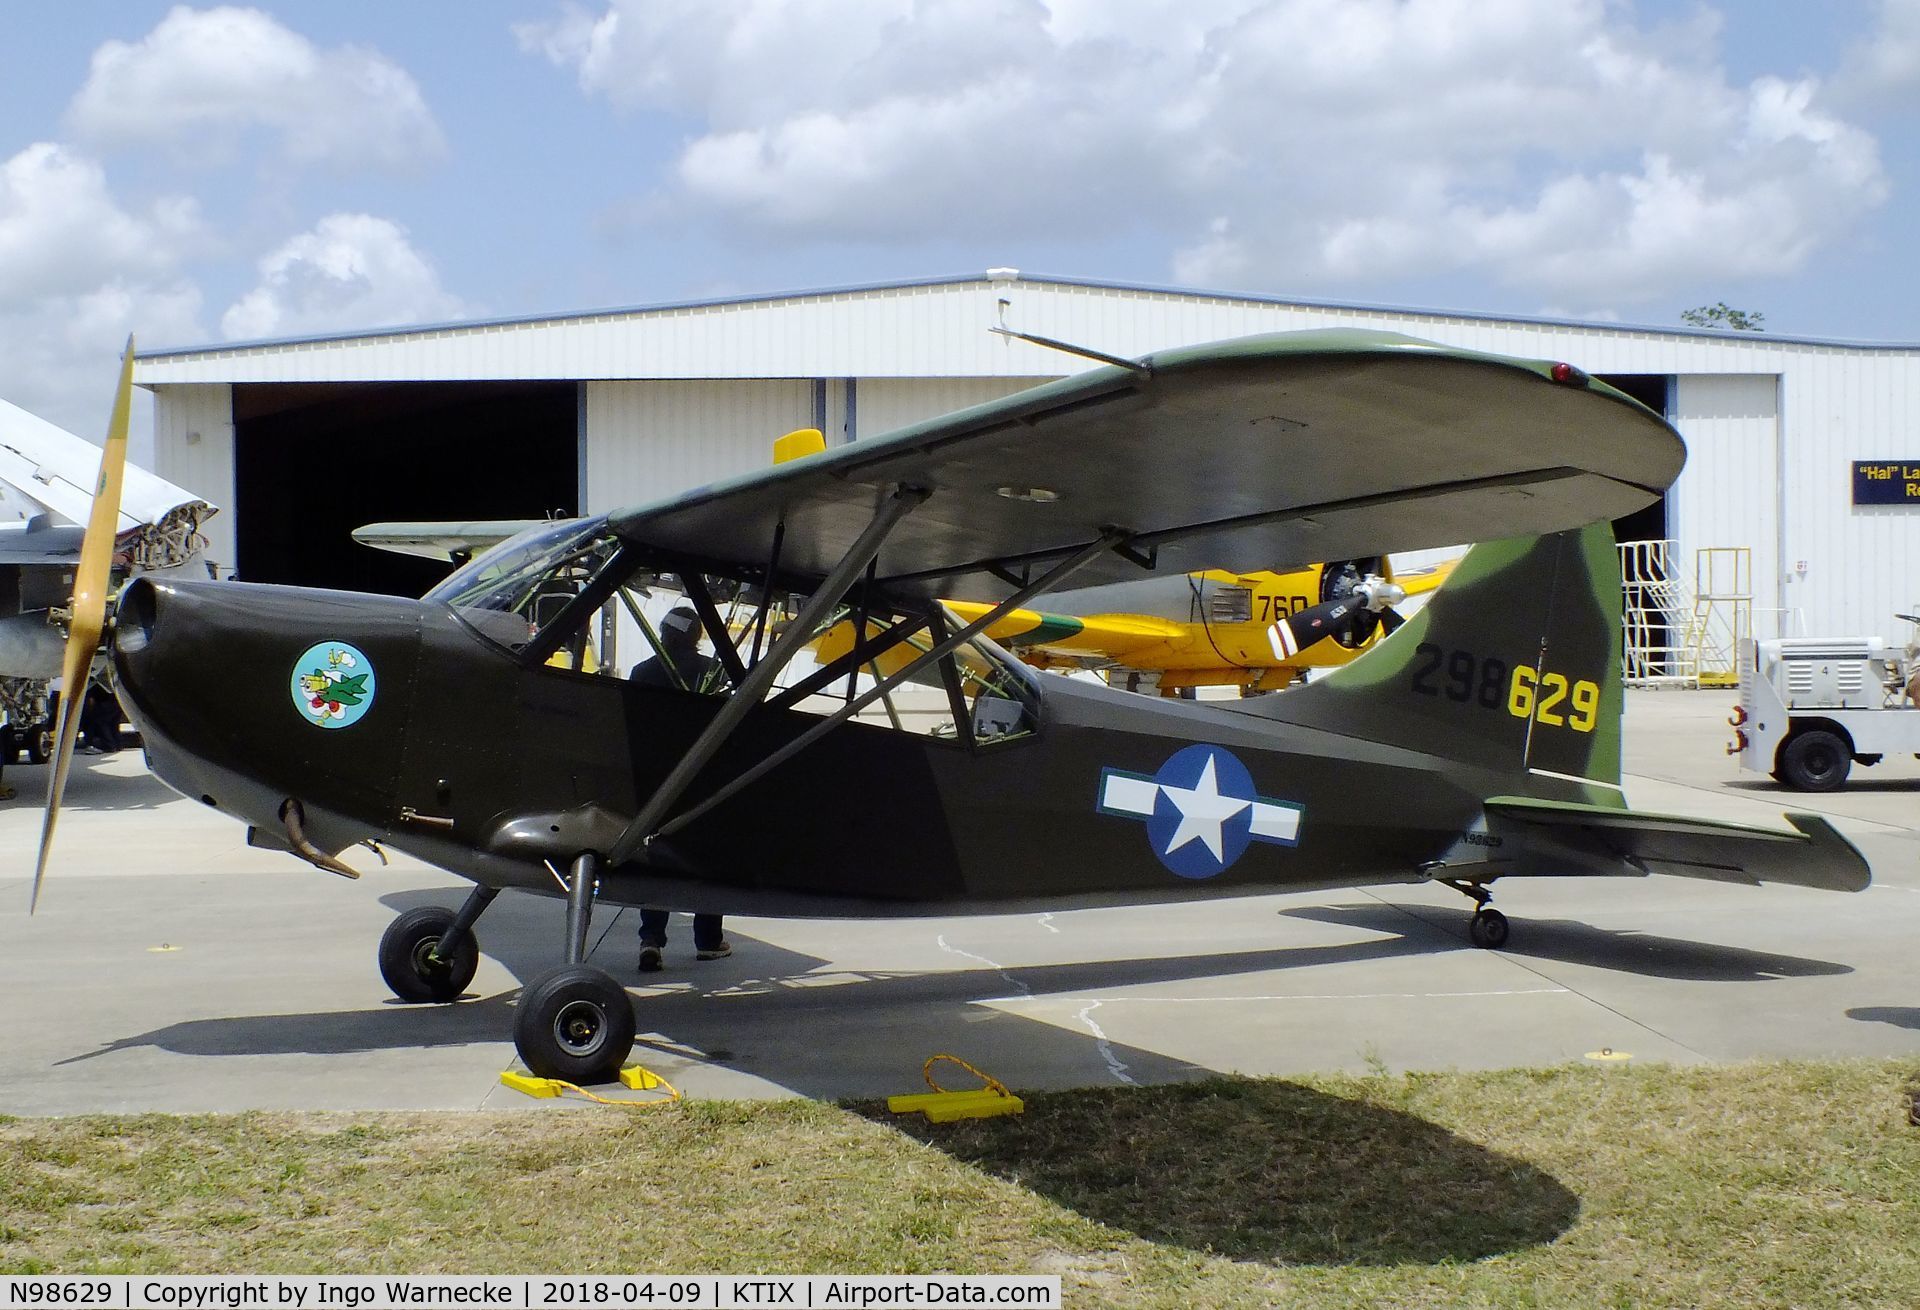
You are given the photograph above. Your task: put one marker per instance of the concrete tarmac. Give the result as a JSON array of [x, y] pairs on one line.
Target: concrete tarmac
[[172, 968]]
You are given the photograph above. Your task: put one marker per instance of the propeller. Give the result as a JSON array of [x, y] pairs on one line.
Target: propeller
[[1371, 598], [87, 614]]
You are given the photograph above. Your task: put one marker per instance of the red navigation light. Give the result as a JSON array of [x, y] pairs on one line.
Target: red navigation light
[[1567, 373]]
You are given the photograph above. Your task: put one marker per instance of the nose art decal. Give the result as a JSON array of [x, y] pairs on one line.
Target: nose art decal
[[333, 684]]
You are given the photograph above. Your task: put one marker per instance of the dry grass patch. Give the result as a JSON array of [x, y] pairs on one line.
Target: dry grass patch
[[1789, 1185]]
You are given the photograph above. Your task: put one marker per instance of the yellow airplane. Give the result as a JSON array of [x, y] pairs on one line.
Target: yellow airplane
[[1256, 631]]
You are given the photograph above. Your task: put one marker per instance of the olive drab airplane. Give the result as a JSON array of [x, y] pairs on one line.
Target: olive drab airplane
[[1256, 631], [1480, 741]]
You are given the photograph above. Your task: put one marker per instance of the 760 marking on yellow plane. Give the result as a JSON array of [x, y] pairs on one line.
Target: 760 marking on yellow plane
[[1549, 698]]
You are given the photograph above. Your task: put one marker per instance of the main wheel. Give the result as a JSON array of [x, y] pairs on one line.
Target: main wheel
[[574, 1023], [1488, 929], [1815, 761], [406, 957], [39, 744]]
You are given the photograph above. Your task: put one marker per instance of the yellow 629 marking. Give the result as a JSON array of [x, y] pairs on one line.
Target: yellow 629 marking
[[1552, 690]]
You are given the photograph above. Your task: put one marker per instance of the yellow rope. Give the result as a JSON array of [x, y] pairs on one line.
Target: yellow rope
[[992, 1083], [673, 1094]]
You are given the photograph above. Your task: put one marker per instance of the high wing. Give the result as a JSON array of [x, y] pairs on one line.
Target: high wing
[[1266, 452]]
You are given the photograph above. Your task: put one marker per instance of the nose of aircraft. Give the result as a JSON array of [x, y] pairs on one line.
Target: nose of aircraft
[[249, 695]]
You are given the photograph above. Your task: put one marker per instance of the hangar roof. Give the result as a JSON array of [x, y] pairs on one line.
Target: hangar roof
[[935, 327]]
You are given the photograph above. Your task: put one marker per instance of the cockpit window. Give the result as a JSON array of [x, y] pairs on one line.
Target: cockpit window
[[518, 587]]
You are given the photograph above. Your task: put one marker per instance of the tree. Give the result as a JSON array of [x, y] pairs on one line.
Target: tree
[[1723, 315]]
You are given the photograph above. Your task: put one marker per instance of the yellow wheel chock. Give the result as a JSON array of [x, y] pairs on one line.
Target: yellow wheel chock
[[943, 1106], [634, 1077]]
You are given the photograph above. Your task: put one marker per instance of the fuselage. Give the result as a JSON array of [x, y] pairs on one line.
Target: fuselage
[[501, 771]]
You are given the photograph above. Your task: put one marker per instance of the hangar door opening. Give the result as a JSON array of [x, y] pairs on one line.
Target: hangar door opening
[[1651, 608], [314, 461], [1651, 390]]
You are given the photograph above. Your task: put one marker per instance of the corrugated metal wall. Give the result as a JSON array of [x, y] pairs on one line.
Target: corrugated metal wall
[[1862, 562], [1725, 497], [888, 403], [193, 448], [648, 440], [919, 350]]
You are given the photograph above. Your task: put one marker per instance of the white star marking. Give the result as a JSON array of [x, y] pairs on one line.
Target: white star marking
[[1203, 812]]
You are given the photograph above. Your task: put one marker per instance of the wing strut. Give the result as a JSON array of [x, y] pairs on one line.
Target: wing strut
[[748, 691], [940, 650]]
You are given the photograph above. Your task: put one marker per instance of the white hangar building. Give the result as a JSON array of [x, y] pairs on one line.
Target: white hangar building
[[304, 439]]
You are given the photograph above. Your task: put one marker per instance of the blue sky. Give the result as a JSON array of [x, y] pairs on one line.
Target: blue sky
[[201, 173]]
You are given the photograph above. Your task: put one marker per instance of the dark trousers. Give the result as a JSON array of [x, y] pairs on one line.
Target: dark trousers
[[707, 934]]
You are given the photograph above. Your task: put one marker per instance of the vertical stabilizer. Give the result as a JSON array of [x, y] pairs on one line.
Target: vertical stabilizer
[[1513, 666]]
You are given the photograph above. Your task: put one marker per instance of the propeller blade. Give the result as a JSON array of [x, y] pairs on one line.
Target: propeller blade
[[88, 610], [1294, 633], [1390, 622]]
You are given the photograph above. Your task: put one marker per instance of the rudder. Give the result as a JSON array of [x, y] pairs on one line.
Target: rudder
[[1512, 666]]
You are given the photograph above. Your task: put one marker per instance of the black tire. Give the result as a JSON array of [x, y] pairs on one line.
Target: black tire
[[405, 957], [574, 1023], [1488, 929], [1815, 760], [39, 744]]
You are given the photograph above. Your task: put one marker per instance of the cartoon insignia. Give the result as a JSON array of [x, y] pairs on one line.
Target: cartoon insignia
[[333, 684]]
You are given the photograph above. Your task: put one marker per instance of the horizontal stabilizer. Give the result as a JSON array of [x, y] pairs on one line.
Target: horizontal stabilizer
[[1555, 835]]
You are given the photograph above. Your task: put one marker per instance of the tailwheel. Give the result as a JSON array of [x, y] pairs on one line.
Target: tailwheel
[[1488, 928], [408, 962], [574, 1023]]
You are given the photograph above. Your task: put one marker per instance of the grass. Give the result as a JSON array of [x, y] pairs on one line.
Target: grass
[[1752, 1185]]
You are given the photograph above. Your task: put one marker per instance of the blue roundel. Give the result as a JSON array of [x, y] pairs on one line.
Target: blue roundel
[[1202, 818], [333, 684]]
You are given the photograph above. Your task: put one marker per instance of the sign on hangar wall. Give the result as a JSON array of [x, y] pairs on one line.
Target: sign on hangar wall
[[1886, 482]]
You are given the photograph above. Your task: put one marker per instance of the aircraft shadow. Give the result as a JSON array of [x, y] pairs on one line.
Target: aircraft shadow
[[1811, 800], [89, 787], [1572, 942], [1264, 1170], [756, 1009], [1254, 1169], [1900, 1016]]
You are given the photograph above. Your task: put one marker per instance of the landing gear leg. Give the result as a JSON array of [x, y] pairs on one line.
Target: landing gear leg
[[1488, 928], [575, 1023], [455, 937]]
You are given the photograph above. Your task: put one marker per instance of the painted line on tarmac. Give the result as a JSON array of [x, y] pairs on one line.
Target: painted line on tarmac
[[1011, 981], [1115, 1065]]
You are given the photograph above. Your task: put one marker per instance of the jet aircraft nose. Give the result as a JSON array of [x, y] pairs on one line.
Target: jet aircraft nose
[[248, 695]]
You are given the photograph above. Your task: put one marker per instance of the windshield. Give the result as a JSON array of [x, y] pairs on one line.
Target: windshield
[[522, 583]]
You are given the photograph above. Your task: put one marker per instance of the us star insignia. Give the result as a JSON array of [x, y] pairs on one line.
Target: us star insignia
[[1201, 810]]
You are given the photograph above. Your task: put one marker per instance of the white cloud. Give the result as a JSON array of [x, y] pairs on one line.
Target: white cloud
[[204, 78], [61, 229], [78, 272], [1281, 143], [1885, 65], [350, 271]]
